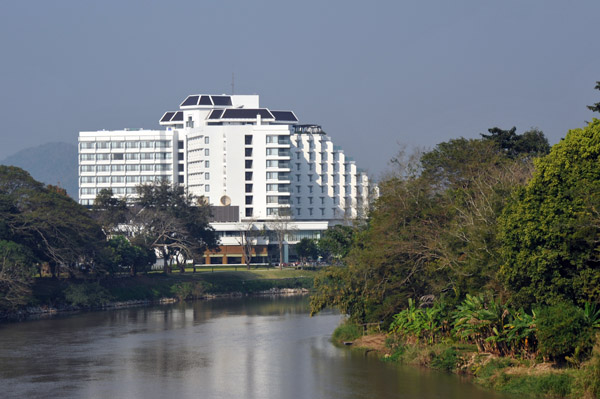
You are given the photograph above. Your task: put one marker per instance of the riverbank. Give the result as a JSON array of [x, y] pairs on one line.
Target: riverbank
[[53, 296], [527, 378]]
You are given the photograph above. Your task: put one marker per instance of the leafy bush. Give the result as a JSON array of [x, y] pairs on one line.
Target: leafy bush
[[446, 361], [87, 295], [347, 332], [563, 332], [189, 290], [587, 382]]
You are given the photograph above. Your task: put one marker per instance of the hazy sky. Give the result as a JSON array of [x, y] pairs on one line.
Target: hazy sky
[[374, 74]]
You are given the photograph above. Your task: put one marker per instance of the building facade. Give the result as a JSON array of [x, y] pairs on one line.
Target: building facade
[[256, 167]]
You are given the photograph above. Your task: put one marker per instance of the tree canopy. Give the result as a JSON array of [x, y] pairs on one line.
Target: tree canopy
[[550, 228]]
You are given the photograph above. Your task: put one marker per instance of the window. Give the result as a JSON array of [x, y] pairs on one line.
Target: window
[[130, 190], [310, 211], [297, 177], [88, 191], [248, 139], [248, 164], [117, 157], [322, 211], [180, 156], [249, 212], [248, 152], [298, 189], [117, 144], [103, 145], [103, 157], [206, 176], [132, 144], [271, 199], [249, 199], [163, 168], [272, 175], [297, 155], [189, 122], [147, 168], [206, 152], [310, 177], [103, 179], [298, 200], [103, 168], [322, 200], [207, 188], [248, 188], [132, 156], [180, 167], [132, 179], [118, 179], [248, 176], [310, 200], [310, 189], [180, 179], [271, 139], [310, 167], [88, 157], [163, 155], [117, 168], [147, 144], [272, 151], [272, 187], [88, 179], [272, 164], [298, 166], [163, 144], [132, 168], [147, 156], [298, 211], [272, 211], [88, 145], [180, 144], [207, 164], [206, 140]]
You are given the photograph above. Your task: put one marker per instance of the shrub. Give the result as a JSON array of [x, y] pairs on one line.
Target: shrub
[[587, 382], [347, 331], [563, 332], [87, 295], [446, 361]]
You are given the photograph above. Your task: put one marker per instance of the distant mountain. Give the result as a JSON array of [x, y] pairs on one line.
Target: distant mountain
[[52, 163]]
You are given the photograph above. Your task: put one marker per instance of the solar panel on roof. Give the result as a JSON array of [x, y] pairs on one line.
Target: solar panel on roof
[[244, 113], [216, 114], [221, 100], [191, 100], [167, 117], [178, 116], [287, 116], [205, 100]]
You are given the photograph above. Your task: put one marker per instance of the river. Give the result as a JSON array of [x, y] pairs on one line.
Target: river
[[257, 347]]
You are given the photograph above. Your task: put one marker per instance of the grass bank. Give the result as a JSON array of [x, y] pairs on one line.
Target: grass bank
[[514, 376], [52, 293]]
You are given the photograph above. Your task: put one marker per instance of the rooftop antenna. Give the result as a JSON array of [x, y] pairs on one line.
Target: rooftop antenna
[[232, 84]]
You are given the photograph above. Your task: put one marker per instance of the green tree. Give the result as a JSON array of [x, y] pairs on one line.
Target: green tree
[[530, 143], [16, 272], [54, 227], [596, 106], [307, 249], [336, 241], [109, 211], [550, 229], [173, 222]]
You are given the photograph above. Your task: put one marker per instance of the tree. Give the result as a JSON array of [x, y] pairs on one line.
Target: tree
[[54, 227], [596, 106], [307, 249], [281, 227], [550, 229], [109, 211], [249, 234], [531, 143], [173, 222], [16, 272], [336, 241], [122, 254]]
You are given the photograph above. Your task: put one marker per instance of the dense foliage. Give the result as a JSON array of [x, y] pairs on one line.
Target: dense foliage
[[551, 228]]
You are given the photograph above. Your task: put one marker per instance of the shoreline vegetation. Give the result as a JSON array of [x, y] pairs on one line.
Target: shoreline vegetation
[[56, 296], [526, 378]]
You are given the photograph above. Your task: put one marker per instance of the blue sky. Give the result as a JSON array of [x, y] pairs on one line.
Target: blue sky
[[376, 75]]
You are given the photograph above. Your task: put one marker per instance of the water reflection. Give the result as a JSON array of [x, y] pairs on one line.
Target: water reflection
[[245, 347]]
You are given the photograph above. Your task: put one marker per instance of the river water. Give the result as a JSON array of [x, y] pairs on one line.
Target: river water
[[257, 347]]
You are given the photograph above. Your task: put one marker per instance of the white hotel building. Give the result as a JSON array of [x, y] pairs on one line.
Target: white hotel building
[[248, 162]]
